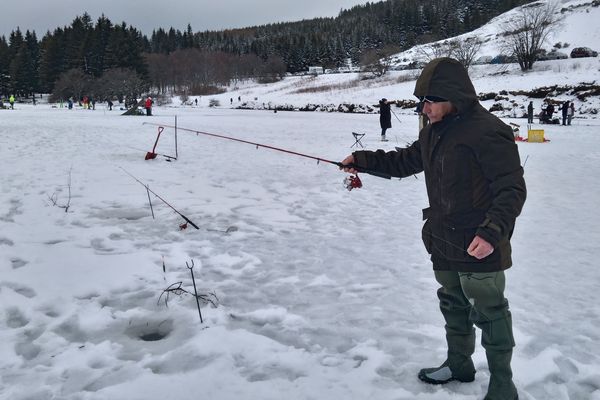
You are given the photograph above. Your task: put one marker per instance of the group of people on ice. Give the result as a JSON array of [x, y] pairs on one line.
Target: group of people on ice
[[88, 103], [545, 116]]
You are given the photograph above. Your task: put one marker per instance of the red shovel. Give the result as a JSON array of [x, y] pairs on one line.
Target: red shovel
[[151, 155]]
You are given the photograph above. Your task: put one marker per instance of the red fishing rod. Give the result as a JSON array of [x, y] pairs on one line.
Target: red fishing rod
[[354, 180]]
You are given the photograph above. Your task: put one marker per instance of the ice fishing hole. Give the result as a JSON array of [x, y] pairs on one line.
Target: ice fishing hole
[[153, 336], [150, 331]]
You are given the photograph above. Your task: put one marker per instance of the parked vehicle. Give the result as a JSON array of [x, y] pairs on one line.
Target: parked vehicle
[[483, 60], [579, 52], [503, 59], [552, 55]]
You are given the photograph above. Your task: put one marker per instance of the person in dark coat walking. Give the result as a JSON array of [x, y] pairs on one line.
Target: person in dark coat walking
[[530, 113], [476, 190], [385, 116], [565, 112]]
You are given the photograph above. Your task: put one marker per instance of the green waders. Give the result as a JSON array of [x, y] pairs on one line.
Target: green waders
[[475, 298]]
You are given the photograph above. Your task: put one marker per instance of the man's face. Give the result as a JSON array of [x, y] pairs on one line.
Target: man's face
[[436, 111]]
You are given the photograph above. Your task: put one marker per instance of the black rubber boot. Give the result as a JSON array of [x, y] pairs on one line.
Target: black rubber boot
[[462, 372]]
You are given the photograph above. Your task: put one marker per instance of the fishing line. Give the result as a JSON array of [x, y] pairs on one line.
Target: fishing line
[[319, 159]]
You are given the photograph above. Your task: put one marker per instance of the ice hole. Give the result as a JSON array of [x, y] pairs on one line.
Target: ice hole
[[153, 336], [150, 331]]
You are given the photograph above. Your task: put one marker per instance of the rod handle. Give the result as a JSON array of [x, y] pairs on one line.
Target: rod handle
[[189, 222], [364, 170]]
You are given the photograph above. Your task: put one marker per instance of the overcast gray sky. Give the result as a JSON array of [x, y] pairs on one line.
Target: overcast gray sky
[[146, 15]]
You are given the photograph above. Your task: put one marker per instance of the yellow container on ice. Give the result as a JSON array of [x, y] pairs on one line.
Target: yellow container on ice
[[535, 136]]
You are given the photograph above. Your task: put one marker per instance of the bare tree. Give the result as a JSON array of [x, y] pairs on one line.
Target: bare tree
[[529, 30], [465, 50], [158, 71], [120, 83], [272, 70], [378, 61], [428, 52], [72, 83]]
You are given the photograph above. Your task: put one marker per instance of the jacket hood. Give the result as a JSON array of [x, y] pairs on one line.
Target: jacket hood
[[447, 78]]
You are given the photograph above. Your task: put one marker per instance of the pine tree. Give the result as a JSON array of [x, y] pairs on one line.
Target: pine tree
[[4, 66], [52, 57], [20, 70], [32, 68]]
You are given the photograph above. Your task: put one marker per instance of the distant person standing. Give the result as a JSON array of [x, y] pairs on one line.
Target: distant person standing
[[550, 111], [570, 113], [385, 116], [148, 106], [530, 113], [11, 101], [565, 112], [110, 105]]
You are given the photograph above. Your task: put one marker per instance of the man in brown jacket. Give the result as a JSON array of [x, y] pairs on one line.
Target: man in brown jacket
[[476, 191]]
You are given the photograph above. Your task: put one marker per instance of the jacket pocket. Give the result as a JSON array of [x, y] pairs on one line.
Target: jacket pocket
[[455, 243], [459, 232]]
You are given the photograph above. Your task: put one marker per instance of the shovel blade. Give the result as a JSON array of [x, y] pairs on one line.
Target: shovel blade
[[150, 156]]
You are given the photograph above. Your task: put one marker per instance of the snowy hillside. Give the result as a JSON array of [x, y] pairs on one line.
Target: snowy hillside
[[578, 27]]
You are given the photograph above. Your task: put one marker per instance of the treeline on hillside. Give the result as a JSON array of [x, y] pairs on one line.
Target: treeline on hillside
[[328, 42], [197, 62]]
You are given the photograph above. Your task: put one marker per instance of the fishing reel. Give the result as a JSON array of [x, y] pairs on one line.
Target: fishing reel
[[352, 182]]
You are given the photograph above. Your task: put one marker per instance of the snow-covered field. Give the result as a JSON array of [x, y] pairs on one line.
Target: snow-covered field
[[323, 293]]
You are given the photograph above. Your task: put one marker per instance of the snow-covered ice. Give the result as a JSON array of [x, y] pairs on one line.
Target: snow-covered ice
[[323, 293]]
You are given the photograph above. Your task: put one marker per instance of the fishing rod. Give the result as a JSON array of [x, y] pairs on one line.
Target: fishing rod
[[187, 220], [395, 115], [319, 159]]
